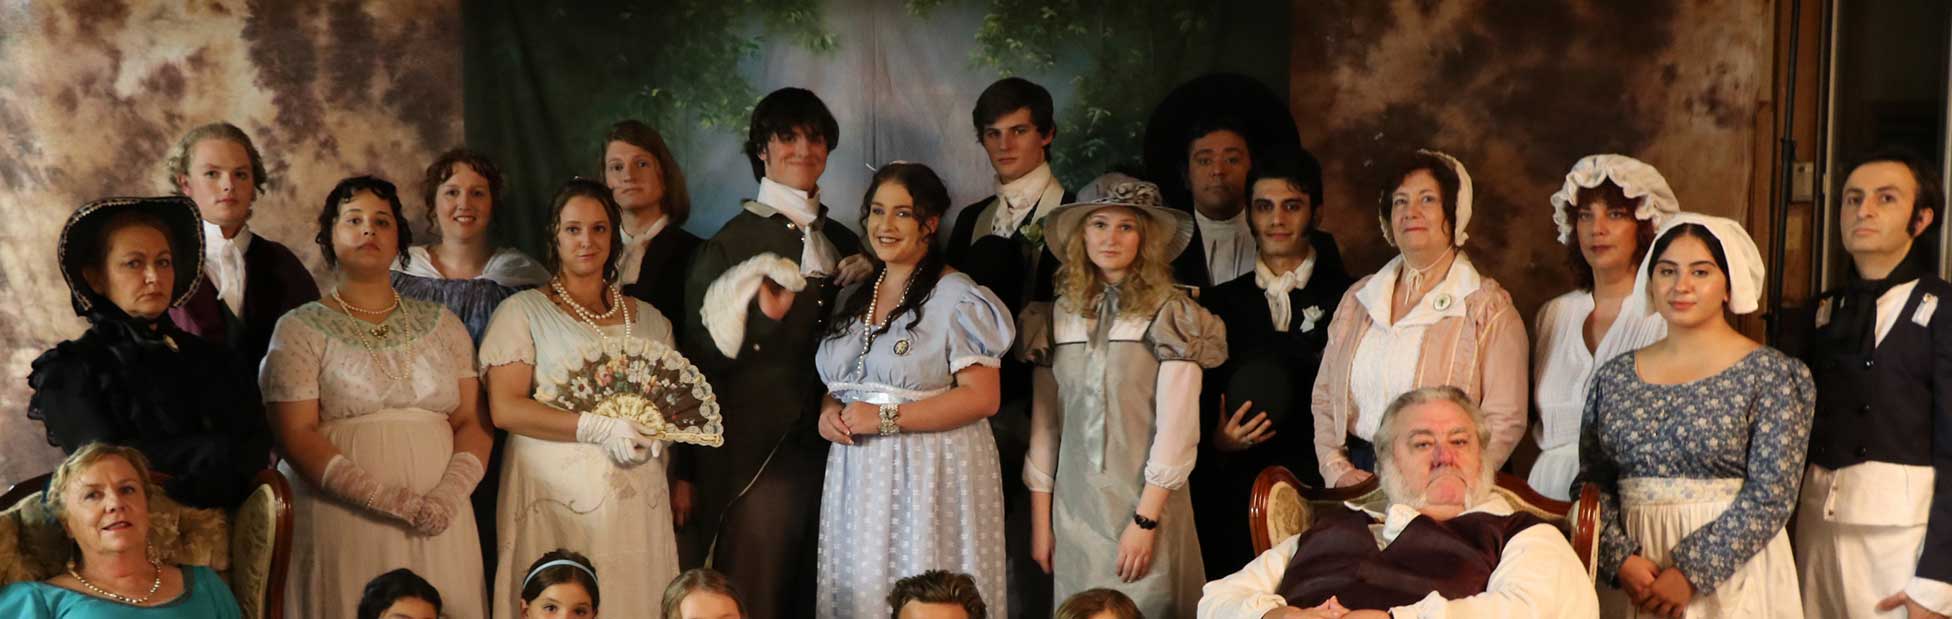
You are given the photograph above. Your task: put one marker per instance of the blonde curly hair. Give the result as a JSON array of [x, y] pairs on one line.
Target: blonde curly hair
[[1147, 285]]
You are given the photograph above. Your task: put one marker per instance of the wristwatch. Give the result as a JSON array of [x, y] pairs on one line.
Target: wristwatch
[[889, 414], [1144, 522]]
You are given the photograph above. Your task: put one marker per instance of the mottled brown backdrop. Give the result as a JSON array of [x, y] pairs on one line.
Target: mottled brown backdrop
[[1519, 90], [93, 93]]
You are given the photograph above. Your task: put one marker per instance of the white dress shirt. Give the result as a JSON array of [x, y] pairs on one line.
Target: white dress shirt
[[818, 257], [632, 257], [1538, 576], [1230, 247], [1881, 493], [223, 262]]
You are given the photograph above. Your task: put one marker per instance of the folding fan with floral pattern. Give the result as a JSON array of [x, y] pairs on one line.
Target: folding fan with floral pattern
[[642, 381]]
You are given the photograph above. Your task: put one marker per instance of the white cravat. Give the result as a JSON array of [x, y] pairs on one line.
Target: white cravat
[[223, 262], [817, 254], [1229, 244], [1020, 199], [1277, 288], [632, 257]]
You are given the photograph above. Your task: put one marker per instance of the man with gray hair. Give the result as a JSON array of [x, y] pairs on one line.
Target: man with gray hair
[[1447, 546]]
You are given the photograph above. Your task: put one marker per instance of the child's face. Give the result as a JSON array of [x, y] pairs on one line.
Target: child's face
[[560, 601]]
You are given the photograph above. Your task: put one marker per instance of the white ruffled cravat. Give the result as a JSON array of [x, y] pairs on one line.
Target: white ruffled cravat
[[1277, 288], [818, 256], [1020, 199], [223, 262]]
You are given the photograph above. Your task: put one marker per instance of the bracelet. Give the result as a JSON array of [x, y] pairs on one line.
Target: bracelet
[[889, 414], [1144, 522]]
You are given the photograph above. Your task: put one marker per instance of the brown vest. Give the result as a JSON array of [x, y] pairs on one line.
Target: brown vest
[[1338, 557]]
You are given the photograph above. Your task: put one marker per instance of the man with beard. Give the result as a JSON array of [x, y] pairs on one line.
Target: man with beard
[[1447, 547]]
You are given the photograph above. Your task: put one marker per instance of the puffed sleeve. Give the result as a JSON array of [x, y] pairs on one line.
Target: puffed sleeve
[[1185, 337], [291, 366], [456, 344], [69, 397], [981, 332], [1184, 331], [508, 339]]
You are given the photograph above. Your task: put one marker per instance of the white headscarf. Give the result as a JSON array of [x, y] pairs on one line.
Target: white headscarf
[[1636, 180], [1463, 197], [1746, 274]]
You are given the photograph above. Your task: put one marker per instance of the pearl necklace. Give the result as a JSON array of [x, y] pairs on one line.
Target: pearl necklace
[[379, 332], [868, 327], [588, 317], [154, 586]]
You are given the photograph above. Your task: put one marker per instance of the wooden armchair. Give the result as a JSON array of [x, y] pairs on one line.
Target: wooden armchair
[[260, 541], [1281, 506]]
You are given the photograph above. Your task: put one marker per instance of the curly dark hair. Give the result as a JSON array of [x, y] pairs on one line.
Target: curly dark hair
[[1612, 197], [383, 591], [585, 188], [938, 587], [344, 192], [931, 203]]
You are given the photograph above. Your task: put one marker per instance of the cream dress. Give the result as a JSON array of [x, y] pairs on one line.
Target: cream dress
[[396, 430], [557, 494]]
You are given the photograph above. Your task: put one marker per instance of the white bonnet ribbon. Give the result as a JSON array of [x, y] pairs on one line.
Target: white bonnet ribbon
[[1636, 179], [1463, 201]]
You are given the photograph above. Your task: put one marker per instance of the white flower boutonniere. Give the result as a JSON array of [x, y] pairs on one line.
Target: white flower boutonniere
[[1309, 317], [1033, 231]]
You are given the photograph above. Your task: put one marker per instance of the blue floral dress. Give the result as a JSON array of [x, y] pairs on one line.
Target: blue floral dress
[[1701, 476]]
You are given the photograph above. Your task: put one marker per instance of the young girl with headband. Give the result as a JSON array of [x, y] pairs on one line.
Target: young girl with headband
[[560, 584]]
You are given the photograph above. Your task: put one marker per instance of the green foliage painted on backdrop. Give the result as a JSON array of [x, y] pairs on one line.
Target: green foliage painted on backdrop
[[541, 106], [677, 64], [1123, 56]]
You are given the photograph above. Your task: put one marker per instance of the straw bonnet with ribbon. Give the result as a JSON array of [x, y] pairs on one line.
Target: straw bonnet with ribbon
[[1746, 273], [1636, 180], [1463, 201], [1167, 231], [81, 239]]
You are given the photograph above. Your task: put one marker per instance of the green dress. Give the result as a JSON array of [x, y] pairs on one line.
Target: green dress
[[205, 596]]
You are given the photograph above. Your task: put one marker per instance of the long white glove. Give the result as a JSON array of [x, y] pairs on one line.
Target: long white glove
[[624, 440], [344, 479]]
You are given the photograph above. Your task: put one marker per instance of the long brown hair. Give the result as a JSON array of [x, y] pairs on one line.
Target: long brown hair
[[931, 203], [677, 199]]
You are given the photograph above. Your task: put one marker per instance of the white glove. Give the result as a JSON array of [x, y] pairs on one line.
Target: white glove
[[623, 440]]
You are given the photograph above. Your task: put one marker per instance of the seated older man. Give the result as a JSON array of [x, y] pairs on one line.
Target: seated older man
[[1448, 547]]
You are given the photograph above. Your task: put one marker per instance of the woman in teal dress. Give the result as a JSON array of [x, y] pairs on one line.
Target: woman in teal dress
[[100, 496]]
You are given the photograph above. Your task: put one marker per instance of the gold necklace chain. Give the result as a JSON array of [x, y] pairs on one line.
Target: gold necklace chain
[[154, 586], [588, 317], [378, 332]]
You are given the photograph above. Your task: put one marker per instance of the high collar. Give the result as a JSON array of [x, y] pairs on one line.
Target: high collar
[[800, 206], [1027, 190], [1401, 515], [214, 241], [1462, 280], [1267, 279], [1235, 226]]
